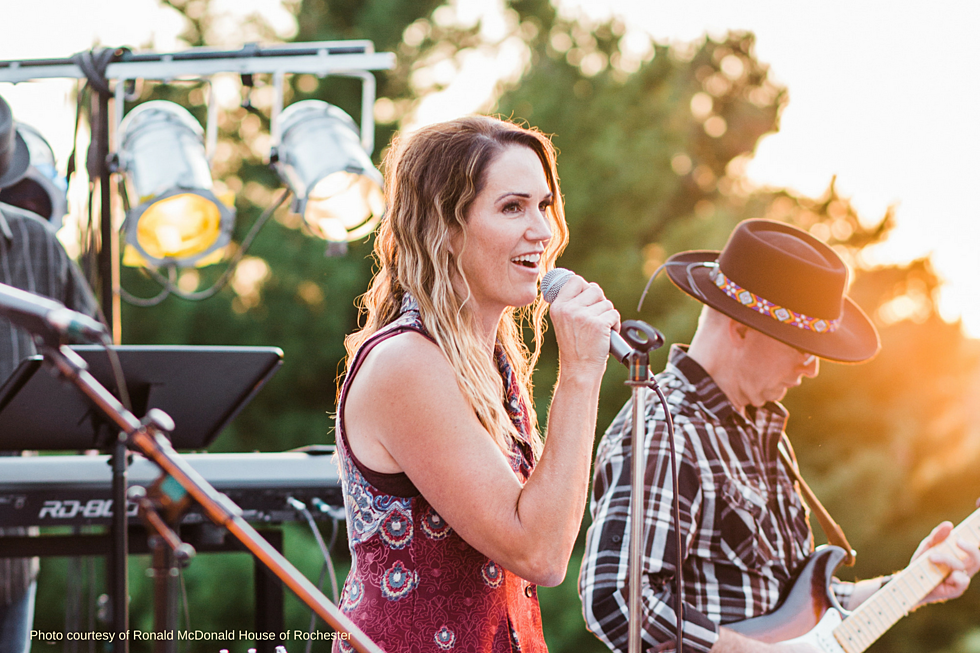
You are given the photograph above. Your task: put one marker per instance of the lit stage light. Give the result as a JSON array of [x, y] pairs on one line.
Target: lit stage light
[[177, 220]]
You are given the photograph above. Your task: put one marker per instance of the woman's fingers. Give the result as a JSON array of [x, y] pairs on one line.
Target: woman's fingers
[[583, 318]]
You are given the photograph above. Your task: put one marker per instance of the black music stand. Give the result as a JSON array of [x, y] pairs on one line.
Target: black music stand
[[201, 388]]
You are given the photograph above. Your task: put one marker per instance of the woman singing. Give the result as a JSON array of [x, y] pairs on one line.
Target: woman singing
[[456, 508]]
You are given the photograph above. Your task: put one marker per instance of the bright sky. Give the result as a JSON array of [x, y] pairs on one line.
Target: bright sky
[[883, 95]]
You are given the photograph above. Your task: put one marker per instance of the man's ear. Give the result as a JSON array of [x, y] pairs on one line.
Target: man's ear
[[737, 331]]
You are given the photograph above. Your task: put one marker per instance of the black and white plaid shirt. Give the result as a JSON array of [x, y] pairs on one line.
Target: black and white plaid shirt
[[32, 259], [744, 529]]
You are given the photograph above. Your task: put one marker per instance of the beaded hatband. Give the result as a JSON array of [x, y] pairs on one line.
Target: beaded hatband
[[749, 299]]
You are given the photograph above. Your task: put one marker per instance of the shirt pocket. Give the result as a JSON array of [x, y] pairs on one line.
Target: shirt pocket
[[742, 509]]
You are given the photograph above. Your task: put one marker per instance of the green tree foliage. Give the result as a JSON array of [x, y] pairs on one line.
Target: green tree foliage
[[653, 148]]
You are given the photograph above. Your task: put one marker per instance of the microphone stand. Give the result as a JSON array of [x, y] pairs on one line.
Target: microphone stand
[[643, 338], [181, 483], [639, 374]]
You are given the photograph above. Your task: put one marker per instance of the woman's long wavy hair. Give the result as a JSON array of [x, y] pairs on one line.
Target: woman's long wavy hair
[[432, 177]]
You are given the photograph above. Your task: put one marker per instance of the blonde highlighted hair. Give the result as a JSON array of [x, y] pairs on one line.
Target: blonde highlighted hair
[[432, 177]]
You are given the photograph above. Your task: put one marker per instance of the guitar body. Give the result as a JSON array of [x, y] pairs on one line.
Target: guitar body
[[803, 607], [809, 613]]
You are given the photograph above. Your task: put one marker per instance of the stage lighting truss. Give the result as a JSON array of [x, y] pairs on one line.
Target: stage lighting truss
[[175, 217], [42, 189], [317, 149]]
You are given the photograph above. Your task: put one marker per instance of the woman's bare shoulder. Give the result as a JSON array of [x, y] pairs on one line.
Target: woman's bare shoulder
[[407, 355], [404, 394]]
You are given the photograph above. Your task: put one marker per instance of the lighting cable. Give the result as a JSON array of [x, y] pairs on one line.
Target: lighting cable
[[170, 287]]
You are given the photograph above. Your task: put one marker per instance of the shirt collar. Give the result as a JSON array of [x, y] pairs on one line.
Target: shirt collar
[[5, 227], [714, 400], [409, 303]]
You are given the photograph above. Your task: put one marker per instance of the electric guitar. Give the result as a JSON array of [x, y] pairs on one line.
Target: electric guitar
[[810, 613]]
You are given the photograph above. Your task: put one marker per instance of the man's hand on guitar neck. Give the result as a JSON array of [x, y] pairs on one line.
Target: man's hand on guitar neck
[[962, 559], [945, 561]]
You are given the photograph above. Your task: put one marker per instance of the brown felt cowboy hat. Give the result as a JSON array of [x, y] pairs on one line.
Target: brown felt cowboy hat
[[14, 155], [783, 282]]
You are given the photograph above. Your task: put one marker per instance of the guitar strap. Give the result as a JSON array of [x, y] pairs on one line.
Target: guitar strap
[[833, 531]]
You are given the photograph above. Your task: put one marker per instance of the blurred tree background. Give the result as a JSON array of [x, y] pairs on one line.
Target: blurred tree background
[[654, 140]]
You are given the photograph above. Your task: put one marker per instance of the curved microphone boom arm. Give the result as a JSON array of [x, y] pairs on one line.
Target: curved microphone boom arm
[[147, 438]]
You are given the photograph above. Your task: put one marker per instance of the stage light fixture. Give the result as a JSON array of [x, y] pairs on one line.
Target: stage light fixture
[[178, 220], [42, 189], [337, 189]]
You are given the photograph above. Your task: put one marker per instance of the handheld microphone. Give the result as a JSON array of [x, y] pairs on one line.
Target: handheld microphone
[[551, 285], [47, 318]]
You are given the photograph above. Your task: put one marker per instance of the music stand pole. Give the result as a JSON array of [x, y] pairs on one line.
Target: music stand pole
[[146, 439], [72, 367]]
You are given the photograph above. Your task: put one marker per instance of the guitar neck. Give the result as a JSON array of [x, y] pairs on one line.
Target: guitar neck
[[897, 598]]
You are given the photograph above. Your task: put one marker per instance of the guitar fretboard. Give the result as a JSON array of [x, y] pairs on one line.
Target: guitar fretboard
[[893, 601]]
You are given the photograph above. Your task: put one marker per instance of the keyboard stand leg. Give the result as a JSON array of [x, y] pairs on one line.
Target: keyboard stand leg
[[269, 598]]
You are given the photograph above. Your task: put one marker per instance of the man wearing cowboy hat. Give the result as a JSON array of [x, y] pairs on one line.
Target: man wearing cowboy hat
[[774, 304], [32, 259]]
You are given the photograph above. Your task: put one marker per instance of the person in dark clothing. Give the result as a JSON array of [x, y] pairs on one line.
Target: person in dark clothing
[[32, 259]]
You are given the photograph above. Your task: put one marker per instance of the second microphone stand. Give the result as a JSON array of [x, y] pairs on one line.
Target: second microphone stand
[[180, 482]]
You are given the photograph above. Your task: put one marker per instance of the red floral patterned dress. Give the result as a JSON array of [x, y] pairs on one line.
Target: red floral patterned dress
[[414, 584]]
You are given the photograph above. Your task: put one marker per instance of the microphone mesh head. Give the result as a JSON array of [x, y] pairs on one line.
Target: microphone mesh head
[[552, 283]]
